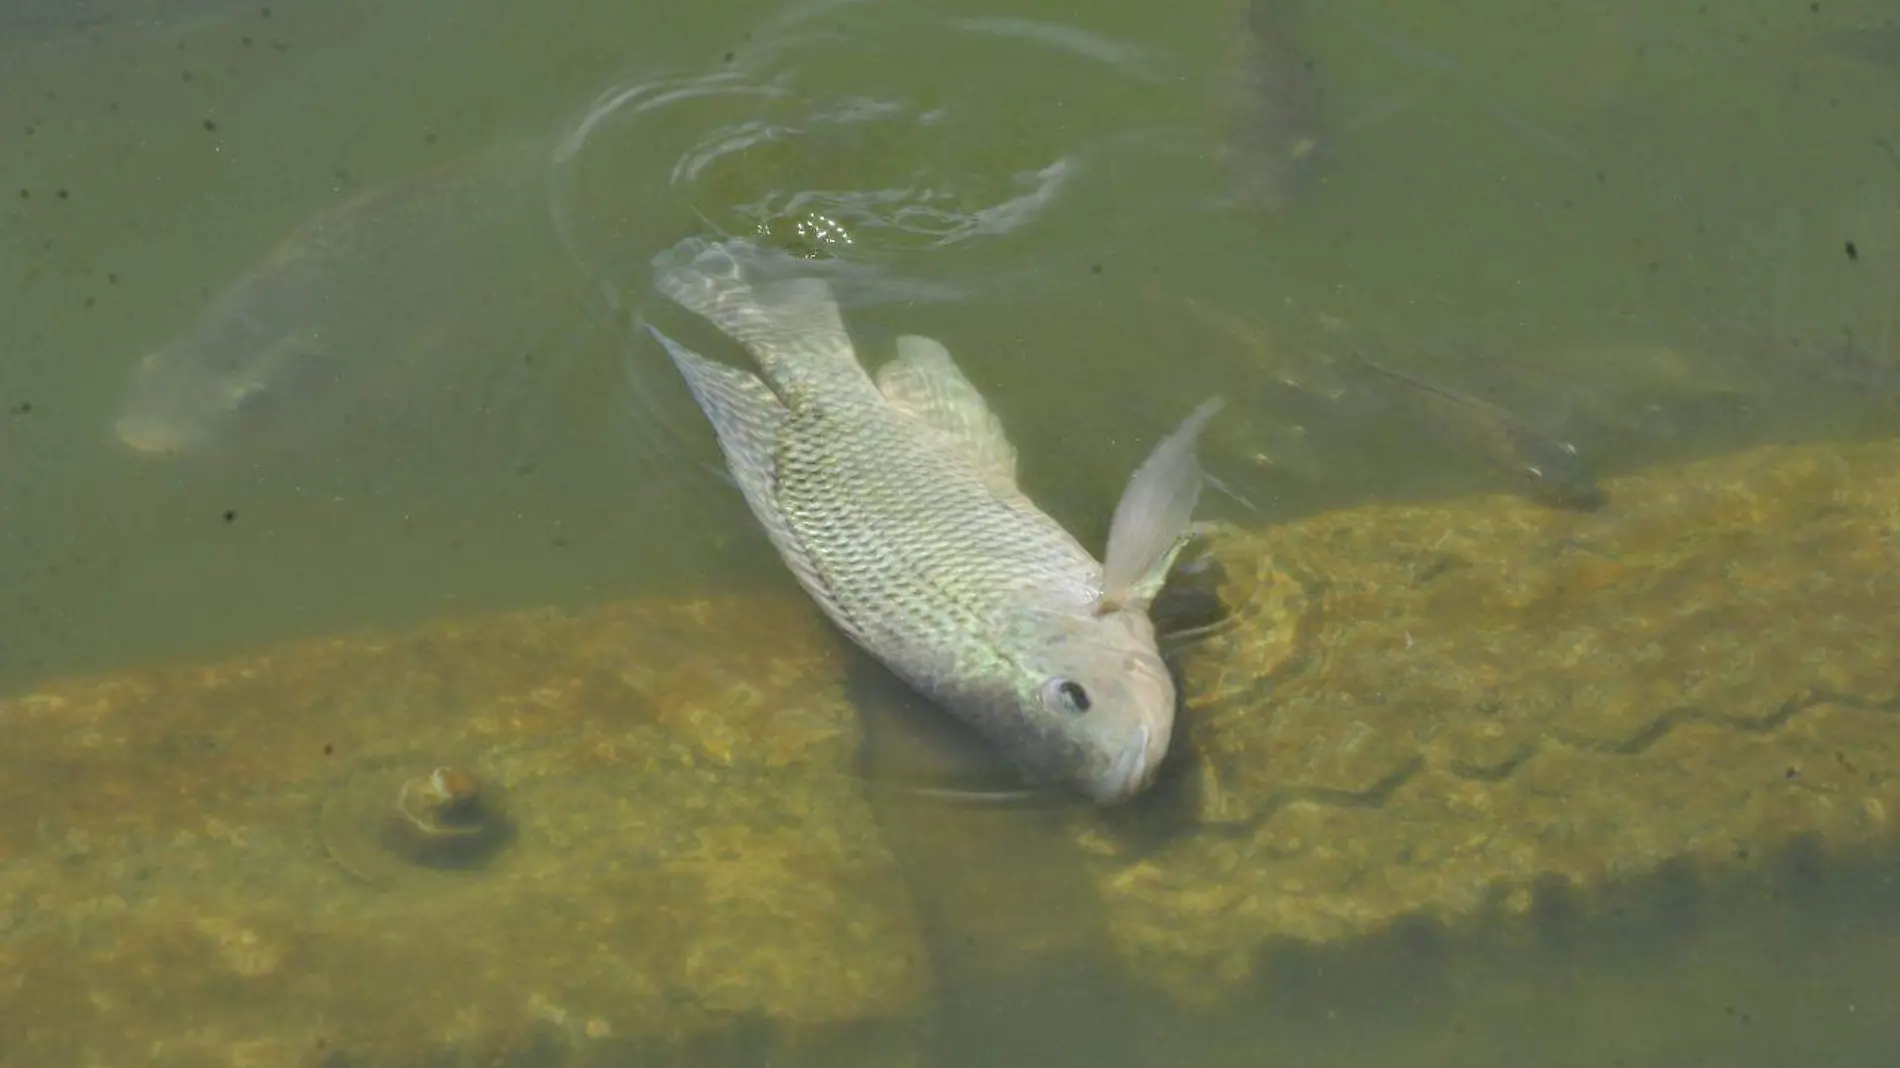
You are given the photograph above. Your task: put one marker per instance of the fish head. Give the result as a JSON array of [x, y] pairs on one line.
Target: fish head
[[1554, 473], [1097, 705], [222, 386]]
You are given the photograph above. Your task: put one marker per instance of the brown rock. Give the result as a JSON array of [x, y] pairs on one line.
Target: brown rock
[[689, 852], [1417, 712], [1434, 711]]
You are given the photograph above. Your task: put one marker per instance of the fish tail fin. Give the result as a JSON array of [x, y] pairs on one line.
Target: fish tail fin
[[1155, 515], [791, 326], [748, 419], [655, 435], [746, 416]]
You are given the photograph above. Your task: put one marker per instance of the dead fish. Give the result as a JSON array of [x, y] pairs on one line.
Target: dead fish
[[335, 327], [894, 501], [1546, 469], [1274, 139]]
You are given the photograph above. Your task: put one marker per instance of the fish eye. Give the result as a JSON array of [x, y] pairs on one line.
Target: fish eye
[[1067, 695]]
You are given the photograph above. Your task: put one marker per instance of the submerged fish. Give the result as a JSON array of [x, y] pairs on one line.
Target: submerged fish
[[19, 18], [1879, 46], [338, 325], [1274, 137], [1547, 470], [895, 503]]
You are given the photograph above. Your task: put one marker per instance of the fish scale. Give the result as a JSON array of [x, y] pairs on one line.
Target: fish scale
[[920, 551], [895, 504]]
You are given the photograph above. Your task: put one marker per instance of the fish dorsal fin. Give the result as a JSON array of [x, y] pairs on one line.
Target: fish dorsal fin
[[1154, 516], [924, 383]]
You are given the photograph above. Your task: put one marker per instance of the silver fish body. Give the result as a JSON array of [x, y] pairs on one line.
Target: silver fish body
[[894, 501]]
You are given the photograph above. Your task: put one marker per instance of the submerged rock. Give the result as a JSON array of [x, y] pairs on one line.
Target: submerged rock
[[1438, 714], [689, 865], [1449, 711], [381, 825]]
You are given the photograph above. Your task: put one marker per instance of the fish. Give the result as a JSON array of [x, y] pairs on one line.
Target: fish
[[893, 500], [1275, 138], [1879, 46], [19, 18], [402, 295], [55, 28], [1546, 469]]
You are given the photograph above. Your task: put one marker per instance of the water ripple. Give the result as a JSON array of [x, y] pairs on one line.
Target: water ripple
[[862, 146]]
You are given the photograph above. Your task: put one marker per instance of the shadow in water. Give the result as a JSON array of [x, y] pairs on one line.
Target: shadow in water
[[1011, 920], [1749, 959]]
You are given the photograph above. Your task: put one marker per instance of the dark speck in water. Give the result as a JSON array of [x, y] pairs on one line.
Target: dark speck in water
[[1852, 252], [63, 194], [230, 515], [730, 56], [211, 124], [1095, 268]]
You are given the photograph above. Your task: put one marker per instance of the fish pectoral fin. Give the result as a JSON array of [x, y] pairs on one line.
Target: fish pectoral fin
[[1155, 516], [1148, 587], [924, 383]]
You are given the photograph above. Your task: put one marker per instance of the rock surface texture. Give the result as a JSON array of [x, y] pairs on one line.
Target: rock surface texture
[[1413, 713]]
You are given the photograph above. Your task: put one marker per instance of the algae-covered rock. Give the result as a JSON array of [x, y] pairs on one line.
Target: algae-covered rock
[[637, 833], [1433, 711], [688, 866]]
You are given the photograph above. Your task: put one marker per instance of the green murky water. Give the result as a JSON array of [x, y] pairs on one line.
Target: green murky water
[[1658, 230]]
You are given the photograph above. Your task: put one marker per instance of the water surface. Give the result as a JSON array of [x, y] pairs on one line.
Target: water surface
[[1655, 230]]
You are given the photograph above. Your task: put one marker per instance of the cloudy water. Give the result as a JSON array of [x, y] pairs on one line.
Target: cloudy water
[[326, 319]]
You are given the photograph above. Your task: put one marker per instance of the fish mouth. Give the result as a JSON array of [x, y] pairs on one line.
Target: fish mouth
[[148, 436], [1131, 770]]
